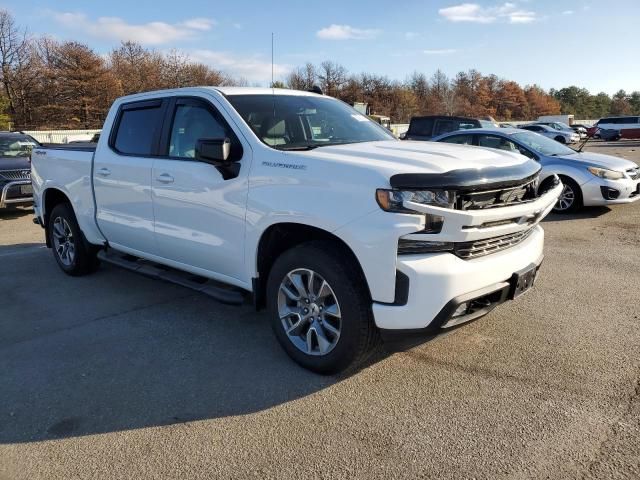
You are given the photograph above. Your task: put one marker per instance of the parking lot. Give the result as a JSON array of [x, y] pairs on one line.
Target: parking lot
[[119, 376]]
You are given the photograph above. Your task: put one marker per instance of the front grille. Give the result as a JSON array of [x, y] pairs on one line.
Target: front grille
[[503, 197], [634, 173], [15, 174], [486, 246]]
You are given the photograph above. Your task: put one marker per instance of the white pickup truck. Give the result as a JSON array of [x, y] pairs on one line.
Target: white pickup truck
[[300, 203]]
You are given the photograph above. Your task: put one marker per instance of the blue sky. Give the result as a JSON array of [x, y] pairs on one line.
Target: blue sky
[[552, 43]]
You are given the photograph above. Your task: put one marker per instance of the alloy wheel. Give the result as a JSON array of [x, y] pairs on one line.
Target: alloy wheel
[[309, 312], [566, 199], [63, 241]]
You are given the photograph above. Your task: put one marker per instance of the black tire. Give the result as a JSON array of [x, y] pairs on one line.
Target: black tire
[[358, 336], [560, 139], [577, 196], [85, 258]]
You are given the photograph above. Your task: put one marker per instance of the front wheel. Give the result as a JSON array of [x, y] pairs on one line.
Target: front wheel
[[570, 200], [71, 252], [560, 139], [320, 309]]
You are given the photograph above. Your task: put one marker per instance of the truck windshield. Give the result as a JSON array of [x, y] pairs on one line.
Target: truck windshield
[[301, 122], [542, 145], [16, 145]]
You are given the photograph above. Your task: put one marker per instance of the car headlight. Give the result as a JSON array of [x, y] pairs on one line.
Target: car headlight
[[604, 173], [393, 201]]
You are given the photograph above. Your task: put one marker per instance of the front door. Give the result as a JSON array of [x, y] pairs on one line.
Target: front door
[[122, 177], [199, 216]]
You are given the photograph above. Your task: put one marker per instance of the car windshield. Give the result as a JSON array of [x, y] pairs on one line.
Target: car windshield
[[302, 122], [16, 145], [542, 145]]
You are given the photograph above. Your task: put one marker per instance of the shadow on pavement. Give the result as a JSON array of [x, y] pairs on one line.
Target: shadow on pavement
[[584, 213], [117, 351], [13, 213]]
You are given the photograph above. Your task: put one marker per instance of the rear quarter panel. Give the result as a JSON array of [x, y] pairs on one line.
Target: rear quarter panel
[[70, 172]]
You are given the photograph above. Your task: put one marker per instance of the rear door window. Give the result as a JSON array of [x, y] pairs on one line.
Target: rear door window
[[499, 143], [421, 126], [459, 139], [445, 126], [137, 128]]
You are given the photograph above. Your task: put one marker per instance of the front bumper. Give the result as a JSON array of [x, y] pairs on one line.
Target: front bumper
[[8, 197], [437, 280], [592, 194]]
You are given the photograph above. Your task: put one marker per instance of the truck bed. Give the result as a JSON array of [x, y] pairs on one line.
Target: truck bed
[[67, 168]]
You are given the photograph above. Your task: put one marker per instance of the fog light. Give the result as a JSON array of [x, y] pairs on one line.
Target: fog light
[[609, 193]]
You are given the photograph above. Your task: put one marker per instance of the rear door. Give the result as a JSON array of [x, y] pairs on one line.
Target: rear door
[[122, 176], [199, 216]]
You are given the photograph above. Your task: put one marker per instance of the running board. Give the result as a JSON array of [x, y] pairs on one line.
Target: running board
[[217, 290]]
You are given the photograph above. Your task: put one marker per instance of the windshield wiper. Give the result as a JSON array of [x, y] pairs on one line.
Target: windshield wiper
[[295, 148]]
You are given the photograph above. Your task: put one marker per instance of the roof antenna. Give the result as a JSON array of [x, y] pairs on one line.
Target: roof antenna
[[273, 91]]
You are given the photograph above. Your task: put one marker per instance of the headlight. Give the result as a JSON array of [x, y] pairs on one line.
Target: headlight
[[393, 201], [604, 173]]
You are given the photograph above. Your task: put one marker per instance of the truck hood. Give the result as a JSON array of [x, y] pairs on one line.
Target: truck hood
[[601, 160], [15, 163], [407, 156]]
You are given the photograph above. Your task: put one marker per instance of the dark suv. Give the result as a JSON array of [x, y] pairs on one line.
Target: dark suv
[[425, 128], [15, 169]]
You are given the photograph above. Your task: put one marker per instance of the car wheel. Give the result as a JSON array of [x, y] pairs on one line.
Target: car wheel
[[320, 308], [560, 139], [70, 250], [570, 200]]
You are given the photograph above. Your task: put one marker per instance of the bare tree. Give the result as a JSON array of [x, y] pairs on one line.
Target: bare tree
[[13, 49], [303, 78], [332, 76]]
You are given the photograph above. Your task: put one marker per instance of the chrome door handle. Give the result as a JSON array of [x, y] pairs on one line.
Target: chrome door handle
[[164, 178], [104, 172]]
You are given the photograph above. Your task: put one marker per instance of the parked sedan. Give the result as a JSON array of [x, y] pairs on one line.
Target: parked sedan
[[563, 127], [557, 135], [588, 178], [15, 169]]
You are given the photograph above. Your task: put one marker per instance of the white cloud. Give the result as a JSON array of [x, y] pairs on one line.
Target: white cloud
[[411, 35], [346, 32], [442, 51], [201, 23], [473, 12], [568, 12], [252, 68], [152, 33]]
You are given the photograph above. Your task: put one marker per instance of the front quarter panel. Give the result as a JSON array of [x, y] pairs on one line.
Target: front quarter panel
[[289, 188]]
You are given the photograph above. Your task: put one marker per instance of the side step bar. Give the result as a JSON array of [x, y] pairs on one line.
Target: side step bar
[[217, 290]]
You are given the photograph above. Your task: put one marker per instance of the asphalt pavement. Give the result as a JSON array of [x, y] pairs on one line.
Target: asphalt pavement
[[115, 375]]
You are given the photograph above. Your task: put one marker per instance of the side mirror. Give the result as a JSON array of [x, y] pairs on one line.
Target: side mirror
[[213, 150]]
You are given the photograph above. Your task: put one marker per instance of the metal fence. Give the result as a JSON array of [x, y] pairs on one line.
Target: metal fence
[[61, 136]]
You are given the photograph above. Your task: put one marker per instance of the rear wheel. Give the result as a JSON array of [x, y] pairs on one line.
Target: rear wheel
[[319, 308], [70, 250], [570, 200]]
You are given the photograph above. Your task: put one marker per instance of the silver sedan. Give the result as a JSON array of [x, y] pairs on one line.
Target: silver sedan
[[588, 178]]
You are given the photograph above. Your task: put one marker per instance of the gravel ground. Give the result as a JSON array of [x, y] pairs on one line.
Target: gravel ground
[[120, 376]]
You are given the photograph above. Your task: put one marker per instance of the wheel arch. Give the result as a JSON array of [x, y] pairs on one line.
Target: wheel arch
[[280, 237], [52, 197]]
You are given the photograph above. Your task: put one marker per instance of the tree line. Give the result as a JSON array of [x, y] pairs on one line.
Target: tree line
[[50, 84]]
